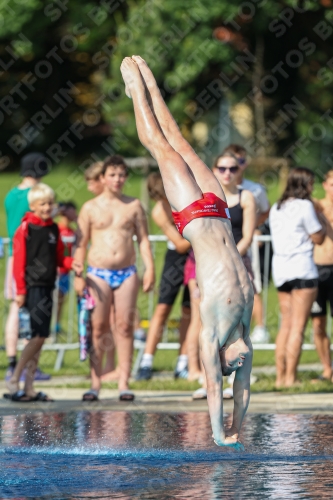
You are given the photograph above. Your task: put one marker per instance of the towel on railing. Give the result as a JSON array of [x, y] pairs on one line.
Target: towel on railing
[[86, 304]]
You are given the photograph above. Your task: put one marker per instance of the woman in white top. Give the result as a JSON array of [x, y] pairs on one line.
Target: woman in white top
[[295, 229]]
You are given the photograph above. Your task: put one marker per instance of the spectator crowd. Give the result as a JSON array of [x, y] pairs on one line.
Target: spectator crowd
[[97, 245]]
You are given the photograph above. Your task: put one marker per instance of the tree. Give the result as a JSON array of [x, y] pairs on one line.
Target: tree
[[269, 55], [268, 59]]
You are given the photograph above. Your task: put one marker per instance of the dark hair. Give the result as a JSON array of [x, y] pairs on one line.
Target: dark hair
[[65, 205], [114, 161], [155, 186], [297, 186], [235, 149], [34, 165], [225, 154]]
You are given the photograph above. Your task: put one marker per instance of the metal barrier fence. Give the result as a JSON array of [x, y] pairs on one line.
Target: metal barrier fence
[[69, 341]]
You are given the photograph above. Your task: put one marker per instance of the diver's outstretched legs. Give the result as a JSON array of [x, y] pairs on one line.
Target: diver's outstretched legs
[[204, 177], [180, 186]]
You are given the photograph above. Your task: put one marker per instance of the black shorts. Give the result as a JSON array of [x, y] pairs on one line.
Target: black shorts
[[39, 304], [172, 279], [325, 292], [298, 284]]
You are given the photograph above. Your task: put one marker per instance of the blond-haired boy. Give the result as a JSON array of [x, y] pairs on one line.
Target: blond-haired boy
[[38, 252]]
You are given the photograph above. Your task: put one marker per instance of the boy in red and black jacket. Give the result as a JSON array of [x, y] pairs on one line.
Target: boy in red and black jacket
[[38, 252]]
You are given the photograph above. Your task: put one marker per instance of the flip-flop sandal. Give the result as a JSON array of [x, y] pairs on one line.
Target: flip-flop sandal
[[19, 397], [44, 398], [126, 396], [199, 394], [90, 396]]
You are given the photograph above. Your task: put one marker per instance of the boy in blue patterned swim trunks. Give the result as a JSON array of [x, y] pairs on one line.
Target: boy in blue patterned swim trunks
[[113, 277], [109, 222]]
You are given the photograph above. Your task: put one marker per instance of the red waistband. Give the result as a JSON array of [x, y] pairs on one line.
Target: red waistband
[[209, 205]]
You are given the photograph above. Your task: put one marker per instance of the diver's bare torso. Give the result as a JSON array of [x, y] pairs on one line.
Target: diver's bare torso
[[225, 289]]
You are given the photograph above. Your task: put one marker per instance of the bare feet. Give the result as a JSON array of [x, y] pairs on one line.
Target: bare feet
[[293, 383], [146, 72], [110, 376], [327, 374], [12, 386], [194, 376], [131, 75], [325, 377]]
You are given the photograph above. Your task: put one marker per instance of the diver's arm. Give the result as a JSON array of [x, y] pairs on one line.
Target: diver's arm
[[241, 392], [212, 364], [210, 356]]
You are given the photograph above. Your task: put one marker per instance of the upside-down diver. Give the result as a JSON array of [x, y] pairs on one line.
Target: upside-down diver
[[201, 216]]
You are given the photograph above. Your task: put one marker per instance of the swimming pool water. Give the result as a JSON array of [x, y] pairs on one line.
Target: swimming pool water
[[134, 455]]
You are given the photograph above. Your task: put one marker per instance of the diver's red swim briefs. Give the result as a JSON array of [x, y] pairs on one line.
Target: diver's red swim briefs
[[210, 205]]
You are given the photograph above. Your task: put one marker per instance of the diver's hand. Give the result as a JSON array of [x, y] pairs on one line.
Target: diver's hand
[[231, 442]]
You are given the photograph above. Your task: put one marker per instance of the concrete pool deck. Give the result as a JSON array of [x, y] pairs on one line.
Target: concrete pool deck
[[67, 400]]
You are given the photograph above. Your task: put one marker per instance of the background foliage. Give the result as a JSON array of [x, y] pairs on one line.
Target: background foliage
[[189, 44]]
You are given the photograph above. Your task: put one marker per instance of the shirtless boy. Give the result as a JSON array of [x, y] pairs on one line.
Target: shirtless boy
[[109, 222], [92, 176], [323, 257], [202, 218]]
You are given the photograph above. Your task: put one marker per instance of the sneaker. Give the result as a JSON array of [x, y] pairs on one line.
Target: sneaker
[[144, 373], [199, 394], [260, 335], [9, 374], [181, 374], [39, 375]]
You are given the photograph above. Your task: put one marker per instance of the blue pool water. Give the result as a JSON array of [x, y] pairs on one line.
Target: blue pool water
[[127, 455]]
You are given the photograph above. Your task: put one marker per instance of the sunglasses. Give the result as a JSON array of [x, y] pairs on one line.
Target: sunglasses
[[232, 170]]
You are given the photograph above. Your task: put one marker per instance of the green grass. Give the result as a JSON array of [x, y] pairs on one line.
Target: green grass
[[265, 383], [147, 385], [163, 361]]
